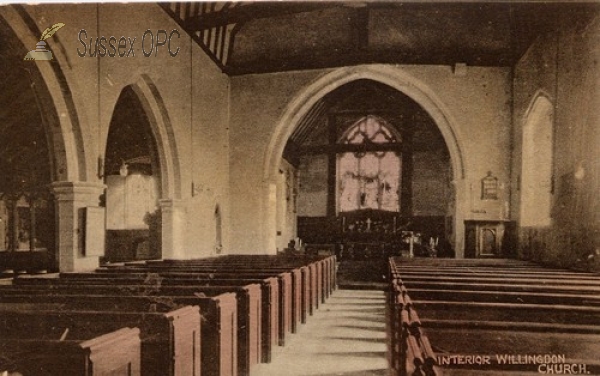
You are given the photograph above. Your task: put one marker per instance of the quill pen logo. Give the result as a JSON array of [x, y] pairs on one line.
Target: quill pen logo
[[40, 52]]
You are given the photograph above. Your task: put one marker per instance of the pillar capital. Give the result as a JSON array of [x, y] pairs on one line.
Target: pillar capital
[[76, 190]]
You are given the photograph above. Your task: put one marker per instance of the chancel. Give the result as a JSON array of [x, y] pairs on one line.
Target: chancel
[[300, 188]]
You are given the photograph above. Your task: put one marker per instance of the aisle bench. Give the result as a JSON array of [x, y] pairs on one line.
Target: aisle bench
[[270, 302], [218, 336], [248, 301], [495, 309], [80, 354], [410, 349], [245, 292], [169, 340], [288, 291], [304, 280]]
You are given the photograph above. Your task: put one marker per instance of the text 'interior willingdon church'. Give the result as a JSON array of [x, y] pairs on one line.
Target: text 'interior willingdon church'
[[212, 178]]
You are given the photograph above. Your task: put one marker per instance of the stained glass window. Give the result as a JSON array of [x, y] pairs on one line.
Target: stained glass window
[[369, 179]]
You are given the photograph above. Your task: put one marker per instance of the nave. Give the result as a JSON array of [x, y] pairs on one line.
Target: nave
[[273, 315], [219, 316]]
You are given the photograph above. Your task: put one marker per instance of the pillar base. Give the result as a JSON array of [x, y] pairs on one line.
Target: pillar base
[[174, 223]]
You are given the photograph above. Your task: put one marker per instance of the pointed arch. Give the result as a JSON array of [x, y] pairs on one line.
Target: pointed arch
[[361, 177], [537, 162], [391, 76], [55, 101], [160, 122], [394, 77]]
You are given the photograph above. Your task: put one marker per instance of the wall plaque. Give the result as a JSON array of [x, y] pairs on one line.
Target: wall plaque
[[489, 187]]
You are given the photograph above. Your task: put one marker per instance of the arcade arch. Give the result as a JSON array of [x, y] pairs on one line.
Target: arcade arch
[[49, 148]]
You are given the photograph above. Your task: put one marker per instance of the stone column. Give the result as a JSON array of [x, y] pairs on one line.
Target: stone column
[[71, 199], [174, 223], [463, 197]]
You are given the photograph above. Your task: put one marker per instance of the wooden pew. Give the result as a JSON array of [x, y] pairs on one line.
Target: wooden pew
[[304, 277], [319, 281], [248, 298], [295, 306], [508, 312], [504, 297], [322, 268], [485, 273], [410, 350], [507, 280], [218, 323], [504, 287], [285, 293], [498, 344], [169, 340], [82, 354], [490, 308], [270, 294], [471, 263]]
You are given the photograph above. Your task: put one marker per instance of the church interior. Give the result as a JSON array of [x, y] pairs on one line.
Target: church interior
[[312, 188]]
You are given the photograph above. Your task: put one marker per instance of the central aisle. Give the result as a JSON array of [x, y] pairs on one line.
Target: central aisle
[[345, 337]]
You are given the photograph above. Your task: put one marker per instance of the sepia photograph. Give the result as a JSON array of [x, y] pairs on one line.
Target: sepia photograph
[[300, 188]]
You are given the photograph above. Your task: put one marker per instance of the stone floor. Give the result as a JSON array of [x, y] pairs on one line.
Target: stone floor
[[345, 337]]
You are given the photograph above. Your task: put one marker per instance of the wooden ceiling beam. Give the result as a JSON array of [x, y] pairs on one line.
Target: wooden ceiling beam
[[251, 11]]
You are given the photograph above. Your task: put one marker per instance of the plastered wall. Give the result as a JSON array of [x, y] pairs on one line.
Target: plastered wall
[[563, 67], [477, 104]]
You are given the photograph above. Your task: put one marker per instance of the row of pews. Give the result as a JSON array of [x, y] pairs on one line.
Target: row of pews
[[216, 316], [492, 317]]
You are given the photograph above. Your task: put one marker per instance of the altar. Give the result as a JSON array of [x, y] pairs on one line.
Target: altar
[[369, 233]]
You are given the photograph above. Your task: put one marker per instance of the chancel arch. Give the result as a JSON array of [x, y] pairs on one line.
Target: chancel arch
[[431, 110], [373, 168]]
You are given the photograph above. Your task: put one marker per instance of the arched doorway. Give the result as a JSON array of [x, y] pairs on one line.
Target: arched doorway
[[133, 177], [374, 174], [27, 162]]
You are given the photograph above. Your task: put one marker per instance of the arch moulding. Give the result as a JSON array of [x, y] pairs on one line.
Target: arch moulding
[[154, 107], [395, 78], [55, 100]]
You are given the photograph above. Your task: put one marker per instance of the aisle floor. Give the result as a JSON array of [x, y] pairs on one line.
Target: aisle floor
[[345, 337]]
